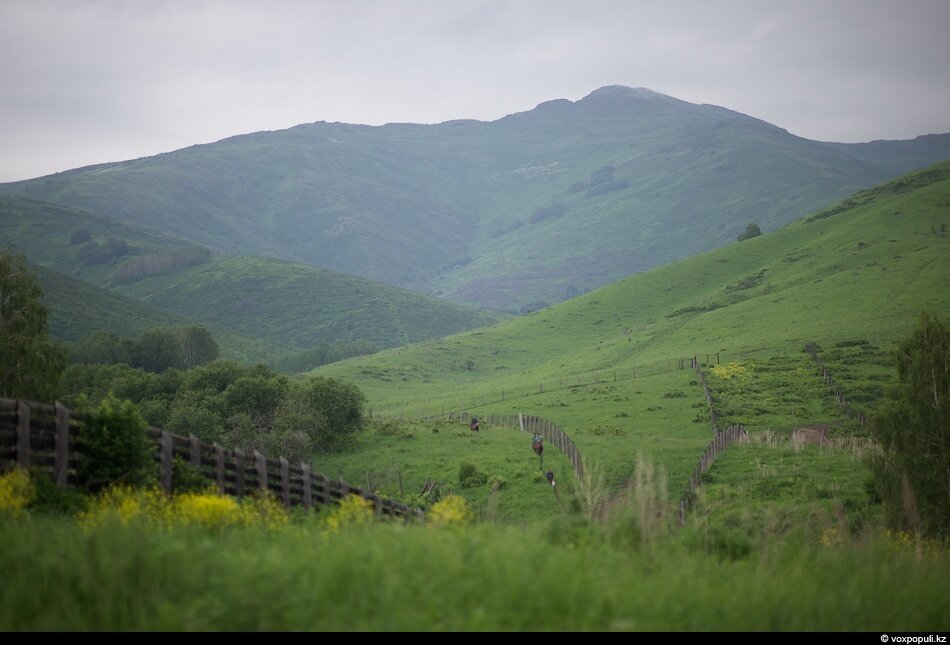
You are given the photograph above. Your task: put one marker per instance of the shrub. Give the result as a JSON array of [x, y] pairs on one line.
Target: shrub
[[17, 492], [352, 510], [497, 482], [752, 230], [113, 447], [469, 475], [450, 510]]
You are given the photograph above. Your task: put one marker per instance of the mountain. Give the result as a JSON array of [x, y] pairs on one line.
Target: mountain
[[536, 206]]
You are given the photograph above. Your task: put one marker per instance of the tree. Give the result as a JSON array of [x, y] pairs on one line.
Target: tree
[[197, 346], [341, 406], [114, 447], [913, 474], [752, 230], [101, 348], [158, 350], [30, 363]]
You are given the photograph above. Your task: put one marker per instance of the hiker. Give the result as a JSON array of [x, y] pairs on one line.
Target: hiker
[[473, 426], [550, 477]]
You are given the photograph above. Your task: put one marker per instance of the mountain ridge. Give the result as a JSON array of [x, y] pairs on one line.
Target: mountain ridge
[[529, 208]]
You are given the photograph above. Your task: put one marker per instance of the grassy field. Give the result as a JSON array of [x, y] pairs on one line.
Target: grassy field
[[782, 535], [563, 575], [415, 452]]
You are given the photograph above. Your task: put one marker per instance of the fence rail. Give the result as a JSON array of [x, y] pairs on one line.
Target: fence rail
[[42, 435], [853, 413]]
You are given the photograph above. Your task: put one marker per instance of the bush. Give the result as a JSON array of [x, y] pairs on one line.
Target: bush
[[54, 499], [17, 492], [340, 404], [469, 475], [114, 448], [450, 510], [752, 230]]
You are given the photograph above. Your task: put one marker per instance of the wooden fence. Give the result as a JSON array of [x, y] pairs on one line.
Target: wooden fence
[[44, 436], [853, 413], [553, 435], [721, 440]]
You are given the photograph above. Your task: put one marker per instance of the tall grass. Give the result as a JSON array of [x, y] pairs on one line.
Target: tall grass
[[58, 576]]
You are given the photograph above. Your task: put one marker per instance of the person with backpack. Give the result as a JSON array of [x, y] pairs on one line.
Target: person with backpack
[[473, 426]]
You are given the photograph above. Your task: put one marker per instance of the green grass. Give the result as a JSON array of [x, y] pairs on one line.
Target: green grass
[[434, 450], [602, 365], [563, 576], [864, 272], [768, 485], [778, 393], [861, 370]]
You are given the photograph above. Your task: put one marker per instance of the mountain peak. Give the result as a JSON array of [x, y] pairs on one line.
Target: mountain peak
[[618, 91], [620, 98]]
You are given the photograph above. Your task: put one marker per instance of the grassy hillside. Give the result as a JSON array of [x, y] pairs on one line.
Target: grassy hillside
[[90, 247], [77, 308], [606, 366], [537, 206], [283, 306], [299, 305]]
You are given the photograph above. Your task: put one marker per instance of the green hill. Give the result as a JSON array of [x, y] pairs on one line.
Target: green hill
[[299, 305], [267, 308], [90, 247], [611, 366], [77, 308], [536, 206], [863, 267]]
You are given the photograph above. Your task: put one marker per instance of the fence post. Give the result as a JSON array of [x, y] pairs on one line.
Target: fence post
[[307, 477], [219, 467], [285, 481], [260, 465], [325, 489], [61, 456], [194, 451], [239, 462], [165, 462], [23, 435]]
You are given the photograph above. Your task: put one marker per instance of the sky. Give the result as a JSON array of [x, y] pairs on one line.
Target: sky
[[91, 81]]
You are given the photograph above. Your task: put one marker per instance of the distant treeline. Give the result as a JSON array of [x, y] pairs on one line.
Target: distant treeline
[[146, 266], [156, 350], [323, 354], [113, 249]]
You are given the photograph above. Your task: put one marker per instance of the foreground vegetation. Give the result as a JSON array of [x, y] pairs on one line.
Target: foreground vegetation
[[563, 574]]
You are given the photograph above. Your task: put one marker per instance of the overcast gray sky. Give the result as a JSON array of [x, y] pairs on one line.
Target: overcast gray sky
[[89, 81]]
